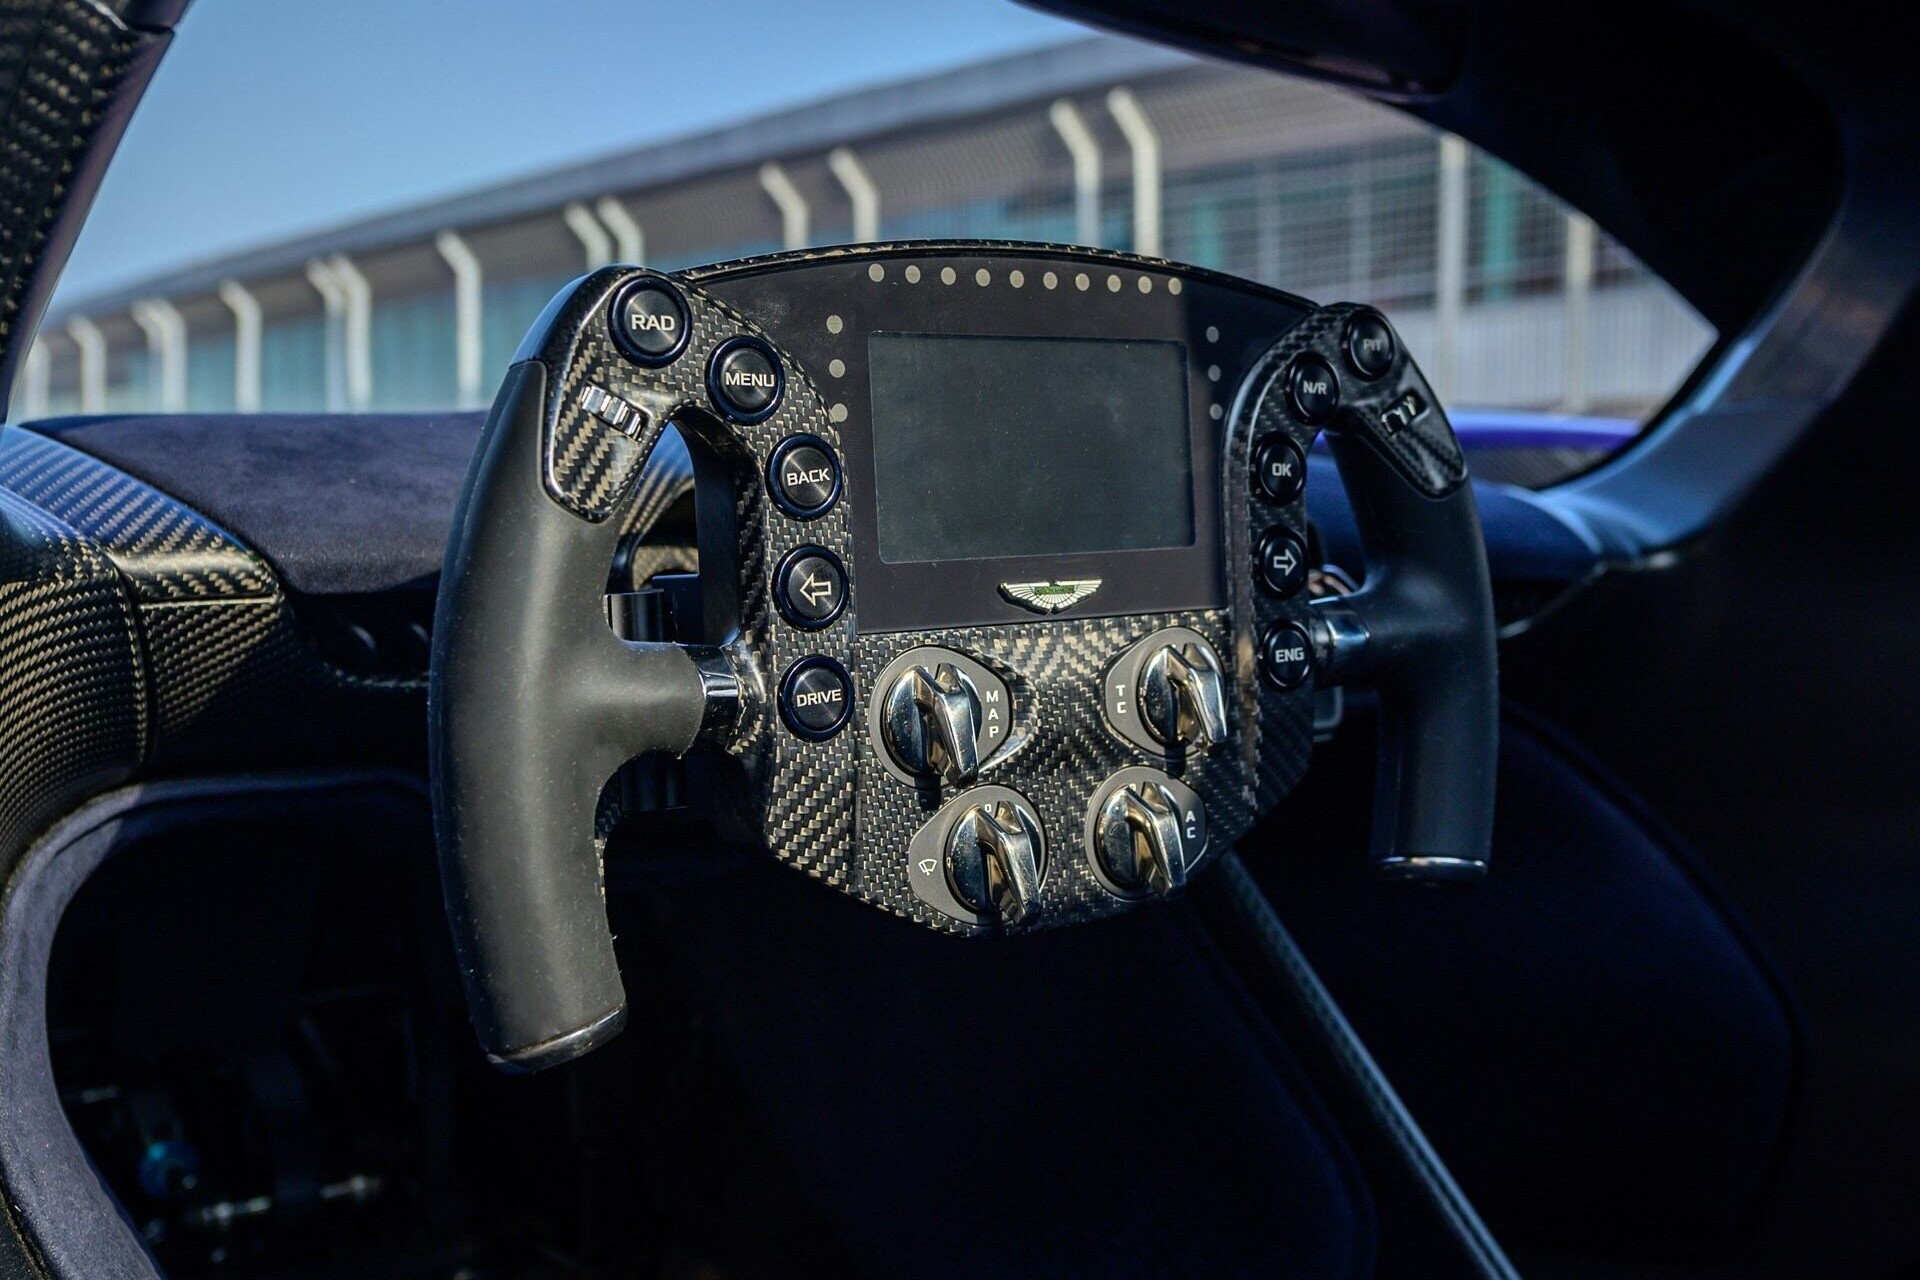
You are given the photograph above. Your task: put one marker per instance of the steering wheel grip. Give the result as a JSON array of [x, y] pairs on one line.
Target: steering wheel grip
[[1421, 632], [530, 683]]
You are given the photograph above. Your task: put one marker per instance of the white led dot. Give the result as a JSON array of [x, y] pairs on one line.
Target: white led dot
[[1113, 284], [1173, 285], [876, 273], [1081, 282], [1016, 278], [913, 275], [1213, 373], [1145, 283], [839, 412], [983, 277], [948, 275], [838, 368], [1213, 411], [835, 324], [1049, 280], [1213, 333]]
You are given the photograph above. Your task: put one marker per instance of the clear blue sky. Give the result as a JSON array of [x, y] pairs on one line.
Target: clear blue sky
[[270, 117]]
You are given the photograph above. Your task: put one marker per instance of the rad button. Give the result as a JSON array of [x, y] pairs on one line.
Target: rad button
[[744, 379], [649, 322], [810, 586]]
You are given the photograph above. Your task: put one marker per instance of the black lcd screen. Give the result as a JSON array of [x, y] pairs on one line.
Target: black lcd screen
[[987, 448]]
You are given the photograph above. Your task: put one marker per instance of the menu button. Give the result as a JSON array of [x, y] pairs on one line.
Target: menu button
[[744, 379]]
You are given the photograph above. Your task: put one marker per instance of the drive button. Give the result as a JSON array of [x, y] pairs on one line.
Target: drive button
[[816, 697], [810, 586]]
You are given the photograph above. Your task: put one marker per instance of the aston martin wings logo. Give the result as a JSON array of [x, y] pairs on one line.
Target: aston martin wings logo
[[1049, 597]]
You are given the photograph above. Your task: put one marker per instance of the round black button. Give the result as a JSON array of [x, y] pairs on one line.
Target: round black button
[[816, 697], [803, 476], [744, 379], [1285, 655], [1312, 389], [810, 586], [1369, 345], [1279, 469], [1282, 562], [649, 321]]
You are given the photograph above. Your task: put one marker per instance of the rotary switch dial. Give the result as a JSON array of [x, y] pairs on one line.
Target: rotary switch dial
[[932, 723], [1146, 832], [993, 861], [1182, 697]]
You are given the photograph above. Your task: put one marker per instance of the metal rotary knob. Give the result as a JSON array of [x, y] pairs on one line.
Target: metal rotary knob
[[993, 861], [932, 725], [1183, 697], [1144, 841]]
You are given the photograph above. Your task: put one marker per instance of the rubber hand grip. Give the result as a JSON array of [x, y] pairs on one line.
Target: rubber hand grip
[[1431, 653], [533, 703]]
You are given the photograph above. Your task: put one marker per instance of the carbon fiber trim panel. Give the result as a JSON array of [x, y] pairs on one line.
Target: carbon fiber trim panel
[[222, 666], [829, 808], [73, 703], [167, 552], [61, 64], [1058, 754]]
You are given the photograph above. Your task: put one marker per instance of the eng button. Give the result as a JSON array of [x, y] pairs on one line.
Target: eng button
[[816, 697], [1285, 655]]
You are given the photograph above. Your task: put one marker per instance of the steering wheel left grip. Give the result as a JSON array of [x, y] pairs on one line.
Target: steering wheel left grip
[[534, 702]]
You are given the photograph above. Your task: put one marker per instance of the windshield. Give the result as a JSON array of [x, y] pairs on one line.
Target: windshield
[[369, 239]]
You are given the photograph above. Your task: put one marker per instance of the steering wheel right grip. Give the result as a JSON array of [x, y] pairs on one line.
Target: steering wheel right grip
[[533, 703], [1421, 631]]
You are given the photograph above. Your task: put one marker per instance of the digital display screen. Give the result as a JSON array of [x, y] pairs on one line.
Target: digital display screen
[[989, 448]]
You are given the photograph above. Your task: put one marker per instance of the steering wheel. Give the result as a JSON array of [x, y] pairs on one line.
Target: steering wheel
[[1001, 622]]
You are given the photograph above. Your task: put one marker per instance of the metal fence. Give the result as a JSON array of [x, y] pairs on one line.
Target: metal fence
[[1509, 299]]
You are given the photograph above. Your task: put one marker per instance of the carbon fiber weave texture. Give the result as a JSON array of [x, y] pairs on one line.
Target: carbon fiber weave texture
[[73, 703], [60, 64], [803, 793], [227, 673], [807, 802]]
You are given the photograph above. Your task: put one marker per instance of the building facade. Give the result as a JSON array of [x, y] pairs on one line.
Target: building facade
[[1510, 300]]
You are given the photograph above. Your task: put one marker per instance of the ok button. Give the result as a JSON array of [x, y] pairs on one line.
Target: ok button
[[810, 586], [1279, 469]]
